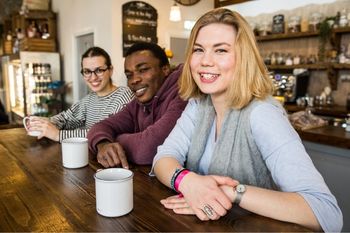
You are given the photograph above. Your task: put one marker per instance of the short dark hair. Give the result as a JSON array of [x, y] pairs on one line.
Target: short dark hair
[[95, 52], [155, 49]]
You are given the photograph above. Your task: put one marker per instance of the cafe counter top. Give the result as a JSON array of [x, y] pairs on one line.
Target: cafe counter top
[[332, 134], [38, 194], [327, 135]]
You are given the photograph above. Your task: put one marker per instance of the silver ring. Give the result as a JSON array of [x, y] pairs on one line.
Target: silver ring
[[208, 210]]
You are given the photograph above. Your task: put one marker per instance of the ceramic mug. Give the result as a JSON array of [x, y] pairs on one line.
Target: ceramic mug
[[26, 123], [75, 153], [114, 191]]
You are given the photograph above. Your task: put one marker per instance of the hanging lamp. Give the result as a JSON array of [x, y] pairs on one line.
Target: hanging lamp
[[175, 13]]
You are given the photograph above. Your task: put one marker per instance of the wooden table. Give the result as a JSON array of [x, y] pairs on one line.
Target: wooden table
[[39, 194]]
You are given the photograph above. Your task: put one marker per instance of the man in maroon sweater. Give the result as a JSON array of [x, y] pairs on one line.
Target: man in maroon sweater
[[134, 133]]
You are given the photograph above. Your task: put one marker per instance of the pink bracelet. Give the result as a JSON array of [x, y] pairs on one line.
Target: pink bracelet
[[179, 179]]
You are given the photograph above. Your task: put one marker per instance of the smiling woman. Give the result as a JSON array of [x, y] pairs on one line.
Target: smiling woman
[[104, 100]]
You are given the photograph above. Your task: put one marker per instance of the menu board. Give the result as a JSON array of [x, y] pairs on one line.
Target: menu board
[[139, 24], [278, 24]]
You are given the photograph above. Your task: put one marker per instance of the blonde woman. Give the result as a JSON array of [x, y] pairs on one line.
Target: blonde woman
[[233, 142]]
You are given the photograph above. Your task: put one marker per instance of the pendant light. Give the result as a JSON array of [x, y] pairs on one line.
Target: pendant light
[[175, 13]]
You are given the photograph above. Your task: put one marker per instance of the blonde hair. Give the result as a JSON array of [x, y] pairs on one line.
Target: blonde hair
[[251, 79]]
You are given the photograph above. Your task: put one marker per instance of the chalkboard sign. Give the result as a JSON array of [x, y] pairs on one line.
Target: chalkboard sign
[[278, 24], [139, 24]]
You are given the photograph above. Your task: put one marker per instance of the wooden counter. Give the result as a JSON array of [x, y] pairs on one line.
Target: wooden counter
[[39, 194], [329, 111], [327, 135]]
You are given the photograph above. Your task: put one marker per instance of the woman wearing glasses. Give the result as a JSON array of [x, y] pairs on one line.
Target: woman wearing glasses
[[104, 100]]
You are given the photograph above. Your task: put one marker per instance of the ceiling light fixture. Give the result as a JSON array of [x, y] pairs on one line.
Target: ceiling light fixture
[[175, 13]]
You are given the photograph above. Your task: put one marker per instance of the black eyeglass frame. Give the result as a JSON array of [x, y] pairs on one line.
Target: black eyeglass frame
[[94, 71]]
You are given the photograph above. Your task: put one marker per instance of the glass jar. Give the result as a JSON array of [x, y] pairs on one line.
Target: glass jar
[[280, 59], [315, 21], [264, 28], [294, 24], [348, 123], [289, 60], [343, 21], [296, 60]]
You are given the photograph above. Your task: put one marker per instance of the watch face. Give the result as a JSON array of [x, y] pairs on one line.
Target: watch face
[[240, 188], [187, 2]]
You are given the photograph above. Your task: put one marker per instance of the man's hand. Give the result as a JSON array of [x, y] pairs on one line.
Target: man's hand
[[111, 155]]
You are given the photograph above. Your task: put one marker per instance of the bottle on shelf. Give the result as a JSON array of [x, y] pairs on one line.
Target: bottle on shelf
[[348, 123]]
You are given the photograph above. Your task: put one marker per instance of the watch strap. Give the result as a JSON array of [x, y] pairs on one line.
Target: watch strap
[[238, 197], [239, 190]]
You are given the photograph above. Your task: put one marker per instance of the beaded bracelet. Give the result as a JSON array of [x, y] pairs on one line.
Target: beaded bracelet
[[173, 178], [179, 178]]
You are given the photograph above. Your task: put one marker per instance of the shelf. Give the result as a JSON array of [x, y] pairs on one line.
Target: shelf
[[341, 66], [40, 14], [332, 69], [287, 36], [320, 66], [331, 111], [45, 24], [37, 44], [341, 30]]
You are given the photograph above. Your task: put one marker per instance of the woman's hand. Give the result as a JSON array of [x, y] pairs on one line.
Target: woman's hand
[[47, 129], [178, 204], [204, 196]]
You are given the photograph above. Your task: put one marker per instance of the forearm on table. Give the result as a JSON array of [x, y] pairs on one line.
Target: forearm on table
[[165, 168], [284, 206]]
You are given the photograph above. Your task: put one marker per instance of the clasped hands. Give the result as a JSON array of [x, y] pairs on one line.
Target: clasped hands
[[202, 194]]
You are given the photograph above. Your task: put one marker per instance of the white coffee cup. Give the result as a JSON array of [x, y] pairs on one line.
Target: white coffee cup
[[114, 191], [26, 122], [75, 153]]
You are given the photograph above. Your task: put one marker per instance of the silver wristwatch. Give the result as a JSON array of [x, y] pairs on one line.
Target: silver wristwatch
[[240, 190]]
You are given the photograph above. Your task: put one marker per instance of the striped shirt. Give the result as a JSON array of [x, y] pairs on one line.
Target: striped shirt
[[78, 119]]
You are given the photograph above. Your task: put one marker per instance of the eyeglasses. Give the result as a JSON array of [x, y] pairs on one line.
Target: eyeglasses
[[98, 72]]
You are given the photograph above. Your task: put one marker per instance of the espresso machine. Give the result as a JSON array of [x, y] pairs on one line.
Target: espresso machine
[[290, 85]]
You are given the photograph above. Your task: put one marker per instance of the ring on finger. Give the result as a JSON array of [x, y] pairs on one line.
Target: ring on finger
[[208, 210]]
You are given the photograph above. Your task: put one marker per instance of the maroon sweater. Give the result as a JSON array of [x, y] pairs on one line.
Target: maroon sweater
[[140, 128]]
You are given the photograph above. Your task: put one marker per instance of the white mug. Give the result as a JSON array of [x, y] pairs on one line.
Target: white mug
[[26, 122], [114, 191], [75, 153]]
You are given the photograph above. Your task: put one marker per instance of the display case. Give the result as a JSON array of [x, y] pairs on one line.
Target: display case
[[33, 84]]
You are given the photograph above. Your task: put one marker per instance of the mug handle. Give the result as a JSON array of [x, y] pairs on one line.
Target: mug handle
[[25, 119]]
